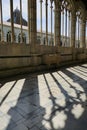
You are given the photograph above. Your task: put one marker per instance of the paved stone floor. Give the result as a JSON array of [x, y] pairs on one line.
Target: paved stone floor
[[48, 101]]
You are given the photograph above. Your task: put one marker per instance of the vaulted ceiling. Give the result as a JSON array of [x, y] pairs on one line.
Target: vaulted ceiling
[[85, 3]]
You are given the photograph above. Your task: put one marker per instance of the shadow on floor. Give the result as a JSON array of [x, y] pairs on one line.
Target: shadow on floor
[[49, 101]]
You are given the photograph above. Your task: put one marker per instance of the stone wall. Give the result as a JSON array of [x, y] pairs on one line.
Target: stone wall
[[30, 57]]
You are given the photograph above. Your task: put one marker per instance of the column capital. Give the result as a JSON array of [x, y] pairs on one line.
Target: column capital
[[83, 19], [41, 1], [46, 2], [57, 3], [51, 1], [51, 4], [57, 8], [73, 13]]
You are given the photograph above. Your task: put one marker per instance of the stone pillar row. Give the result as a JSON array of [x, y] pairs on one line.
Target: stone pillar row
[[32, 22]]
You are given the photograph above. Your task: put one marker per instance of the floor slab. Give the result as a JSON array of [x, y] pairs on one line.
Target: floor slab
[[46, 101]]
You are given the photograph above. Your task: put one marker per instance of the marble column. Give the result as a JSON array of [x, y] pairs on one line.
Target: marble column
[[69, 28], [63, 27], [21, 20], [66, 27], [78, 21], [46, 22], [32, 30], [82, 33], [86, 34], [57, 26], [12, 21], [51, 7], [1, 20], [73, 28], [41, 1]]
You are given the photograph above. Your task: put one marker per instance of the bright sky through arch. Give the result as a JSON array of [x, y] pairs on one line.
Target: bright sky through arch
[[16, 4]]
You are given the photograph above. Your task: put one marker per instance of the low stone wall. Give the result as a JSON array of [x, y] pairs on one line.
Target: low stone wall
[[50, 59], [82, 56], [16, 62], [66, 57], [65, 54], [14, 57]]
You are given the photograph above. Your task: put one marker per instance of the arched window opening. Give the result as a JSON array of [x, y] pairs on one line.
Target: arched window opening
[[9, 36], [19, 38], [44, 40], [23, 38], [65, 23], [14, 37], [38, 39]]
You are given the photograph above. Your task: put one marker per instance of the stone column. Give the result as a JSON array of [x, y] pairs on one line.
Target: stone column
[[73, 28], [82, 34], [1, 20], [63, 27], [78, 21], [21, 20], [12, 21], [46, 22], [69, 28], [66, 27], [51, 7], [73, 34], [57, 26], [32, 21], [41, 1], [86, 35]]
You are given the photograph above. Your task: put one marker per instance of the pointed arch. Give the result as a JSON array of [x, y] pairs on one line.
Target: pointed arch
[[9, 36]]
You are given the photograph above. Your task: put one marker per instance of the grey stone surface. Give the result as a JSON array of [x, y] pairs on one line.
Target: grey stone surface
[[48, 101]]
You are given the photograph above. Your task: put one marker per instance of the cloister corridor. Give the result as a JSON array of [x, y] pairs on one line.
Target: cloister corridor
[[54, 100]]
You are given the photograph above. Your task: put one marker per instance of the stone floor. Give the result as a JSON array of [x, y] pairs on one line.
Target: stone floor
[[48, 101]]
